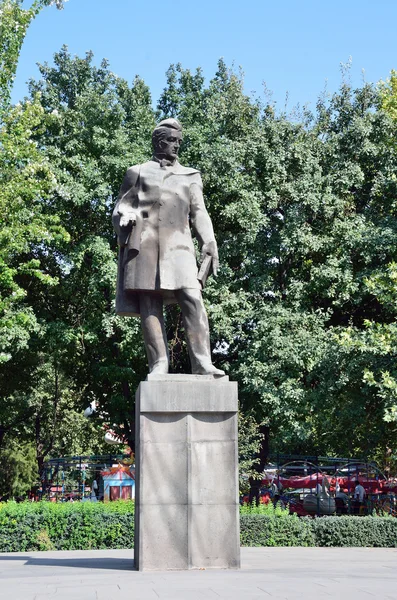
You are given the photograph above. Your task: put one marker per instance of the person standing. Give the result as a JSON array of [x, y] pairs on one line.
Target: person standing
[[358, 496]]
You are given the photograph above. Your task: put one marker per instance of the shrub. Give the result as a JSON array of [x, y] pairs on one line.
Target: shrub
[[370, 532], [269, 508], [275, 530], [289, 530], [82, 526], [70, 526]]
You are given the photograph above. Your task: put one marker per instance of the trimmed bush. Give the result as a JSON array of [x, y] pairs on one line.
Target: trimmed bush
[[84, 526], [369, 532], [344, 531], [70, 526], [269, 525], [267, 530]]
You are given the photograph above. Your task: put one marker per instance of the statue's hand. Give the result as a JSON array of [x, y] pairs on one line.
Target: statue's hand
[[211, 249], [127, 218]]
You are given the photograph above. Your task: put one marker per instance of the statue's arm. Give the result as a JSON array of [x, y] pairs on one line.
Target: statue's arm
[[123, 211], [201, 223]]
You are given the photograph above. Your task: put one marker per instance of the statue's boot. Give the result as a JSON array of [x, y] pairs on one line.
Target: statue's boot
[[195, 321], [152, 322]]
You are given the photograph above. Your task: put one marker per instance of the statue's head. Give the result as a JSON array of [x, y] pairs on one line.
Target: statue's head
[[167, 139]]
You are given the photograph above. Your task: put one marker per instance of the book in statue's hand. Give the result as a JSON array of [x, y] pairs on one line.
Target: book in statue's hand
[[205, 269]]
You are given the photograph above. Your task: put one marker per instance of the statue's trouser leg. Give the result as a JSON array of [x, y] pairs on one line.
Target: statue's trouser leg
[[152, 321], [195, 321]]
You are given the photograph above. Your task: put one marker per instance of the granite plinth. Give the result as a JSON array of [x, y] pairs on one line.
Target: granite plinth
[[186, 492]]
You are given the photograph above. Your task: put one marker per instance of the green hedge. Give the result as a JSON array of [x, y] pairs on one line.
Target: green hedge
[[70, 526], [290, 530], [367, 532], [269, 530], [82, 526]]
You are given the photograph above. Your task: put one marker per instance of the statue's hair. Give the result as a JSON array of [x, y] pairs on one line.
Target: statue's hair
[[162, 129]]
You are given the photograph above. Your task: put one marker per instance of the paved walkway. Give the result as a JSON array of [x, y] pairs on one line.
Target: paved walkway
[[292, 573]]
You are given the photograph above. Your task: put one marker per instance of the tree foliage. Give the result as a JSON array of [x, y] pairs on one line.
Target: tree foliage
[[14, 23], [78, 350], [101, 126], [18, 469], [303, 310], [30, 231], [305, 217]]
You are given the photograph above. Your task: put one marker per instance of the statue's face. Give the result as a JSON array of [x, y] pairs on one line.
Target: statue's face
[[170, 144]]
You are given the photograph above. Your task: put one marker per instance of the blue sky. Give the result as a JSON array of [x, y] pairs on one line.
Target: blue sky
[[293, 46]]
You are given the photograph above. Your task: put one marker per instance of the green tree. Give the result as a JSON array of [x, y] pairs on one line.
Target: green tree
[[388, 94], [249, 445], [14, 23], [18, 469], [302, 313], [28, 229], [305, 219], [30, 232], [99, 126]]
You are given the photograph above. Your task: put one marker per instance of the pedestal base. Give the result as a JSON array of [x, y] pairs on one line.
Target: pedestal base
[[186, 494]]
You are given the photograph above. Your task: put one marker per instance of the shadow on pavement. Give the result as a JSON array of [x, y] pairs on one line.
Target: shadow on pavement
[[116, 564]]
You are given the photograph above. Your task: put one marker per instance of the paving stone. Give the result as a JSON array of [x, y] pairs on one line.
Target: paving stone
[[278, 573]]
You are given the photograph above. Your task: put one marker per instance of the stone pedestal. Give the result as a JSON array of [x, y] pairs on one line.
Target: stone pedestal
[[186, 494]]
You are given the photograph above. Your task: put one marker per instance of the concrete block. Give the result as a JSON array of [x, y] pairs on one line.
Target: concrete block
[[160, 427], [213, 466], [214, 537], [164, 470], [178, 377], [186, 497], [207, 427], [185, 395], [164, 544]]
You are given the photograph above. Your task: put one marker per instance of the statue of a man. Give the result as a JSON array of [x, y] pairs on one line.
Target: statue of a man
[[159, 202]]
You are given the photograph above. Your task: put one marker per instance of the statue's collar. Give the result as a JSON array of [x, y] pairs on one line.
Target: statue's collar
[[175, 169], [163, 162]]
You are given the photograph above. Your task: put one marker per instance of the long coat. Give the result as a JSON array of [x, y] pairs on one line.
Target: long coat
[[164, 199]]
